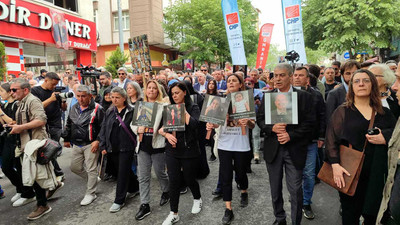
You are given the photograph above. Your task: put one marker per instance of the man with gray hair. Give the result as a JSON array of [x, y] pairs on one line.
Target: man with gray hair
[[285, 146], [82, 128], [122, 74], [201, 85]]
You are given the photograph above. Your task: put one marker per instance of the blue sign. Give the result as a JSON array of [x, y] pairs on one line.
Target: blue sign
[[233, 29], [346, 55]]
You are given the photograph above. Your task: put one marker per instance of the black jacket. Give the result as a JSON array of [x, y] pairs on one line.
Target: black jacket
[[335, 98], [393, 104], [300, 134], [82, 128], [319, 106], [105, 133], [188, 143]]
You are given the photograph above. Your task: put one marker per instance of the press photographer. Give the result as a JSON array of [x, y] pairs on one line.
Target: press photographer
[[53, 105]]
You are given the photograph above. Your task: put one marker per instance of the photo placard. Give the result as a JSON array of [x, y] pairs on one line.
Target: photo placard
[[140, 54], [281, 107], [174, 117], [144, 114], [214, 109], [242, 105]]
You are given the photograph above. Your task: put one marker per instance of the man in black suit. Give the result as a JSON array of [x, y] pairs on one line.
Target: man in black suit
[[337, 96], [285, 146]]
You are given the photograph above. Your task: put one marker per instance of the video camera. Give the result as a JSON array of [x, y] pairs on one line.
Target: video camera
[[89, 71], [89, 75], [292, 56]]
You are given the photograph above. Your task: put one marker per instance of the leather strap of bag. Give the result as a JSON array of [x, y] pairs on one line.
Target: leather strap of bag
[[125, 128], [371, 124]]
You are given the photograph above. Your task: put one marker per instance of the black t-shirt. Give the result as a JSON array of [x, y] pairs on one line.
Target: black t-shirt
[[53, 110], [146, 144], [10, 109]]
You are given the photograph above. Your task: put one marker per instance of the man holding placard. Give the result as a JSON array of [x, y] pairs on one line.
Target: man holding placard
[[285, 145]]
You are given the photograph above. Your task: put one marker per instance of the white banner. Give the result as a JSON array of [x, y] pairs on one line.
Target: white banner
[[293, 24]]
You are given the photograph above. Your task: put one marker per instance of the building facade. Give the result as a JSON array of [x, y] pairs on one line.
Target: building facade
[[139, 17], [47, 34]]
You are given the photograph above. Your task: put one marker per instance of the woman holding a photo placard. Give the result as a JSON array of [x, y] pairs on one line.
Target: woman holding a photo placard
[[182, 153], [233, 150], [151, 152]]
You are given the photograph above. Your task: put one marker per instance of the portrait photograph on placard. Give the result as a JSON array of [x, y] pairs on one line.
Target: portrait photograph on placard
[[143, 114], [188, 64], [281, 108], [214, 109], [174, 117], [242, 104]]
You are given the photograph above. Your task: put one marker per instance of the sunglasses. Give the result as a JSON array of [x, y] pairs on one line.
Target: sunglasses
[[14, 89], [203, 70], [248, 83], [121, 73]]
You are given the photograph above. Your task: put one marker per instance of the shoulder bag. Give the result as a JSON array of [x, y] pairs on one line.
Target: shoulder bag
[[351, 160]]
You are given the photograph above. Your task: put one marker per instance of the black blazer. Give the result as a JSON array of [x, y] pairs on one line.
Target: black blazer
[[393, 104], [335, 98], [300, 134]]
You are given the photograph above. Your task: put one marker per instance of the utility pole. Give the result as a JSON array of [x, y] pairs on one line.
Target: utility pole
[[121, 32]]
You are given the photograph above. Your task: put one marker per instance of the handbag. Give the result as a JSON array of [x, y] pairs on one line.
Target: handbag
[[125, 128], [351, 160], [49, 151]]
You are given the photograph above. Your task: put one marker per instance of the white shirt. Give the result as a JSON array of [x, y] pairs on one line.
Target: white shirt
[[121, 84], [231, 139], [202, 87]]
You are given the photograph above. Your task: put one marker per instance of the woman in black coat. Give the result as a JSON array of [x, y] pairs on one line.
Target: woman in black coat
[[182, 153], [117, 138]]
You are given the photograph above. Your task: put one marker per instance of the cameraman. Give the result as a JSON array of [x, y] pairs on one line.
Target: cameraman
[[83, 126], [52, 105]]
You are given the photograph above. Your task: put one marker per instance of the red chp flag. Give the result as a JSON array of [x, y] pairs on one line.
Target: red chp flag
[[263, 45]]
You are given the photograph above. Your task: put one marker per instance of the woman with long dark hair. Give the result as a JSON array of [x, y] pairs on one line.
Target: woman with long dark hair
[[182, 153], [233, 151], [348, 126], [212, 87], [116, 138]]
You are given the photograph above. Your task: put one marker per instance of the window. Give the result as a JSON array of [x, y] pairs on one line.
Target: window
[[66, 4], [125, 21]]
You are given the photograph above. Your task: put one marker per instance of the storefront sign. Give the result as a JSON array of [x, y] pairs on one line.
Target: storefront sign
[[26, 20]]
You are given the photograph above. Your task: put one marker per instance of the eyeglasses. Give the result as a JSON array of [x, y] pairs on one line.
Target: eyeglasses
[[321, 73], [248, 83], [121, 73], [203, 70], [364, 81], [14, 89]]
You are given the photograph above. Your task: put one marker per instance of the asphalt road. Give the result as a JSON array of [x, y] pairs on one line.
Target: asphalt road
[[67, 209]]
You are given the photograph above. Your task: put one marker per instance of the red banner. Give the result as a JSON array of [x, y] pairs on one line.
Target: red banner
[[263, 45]]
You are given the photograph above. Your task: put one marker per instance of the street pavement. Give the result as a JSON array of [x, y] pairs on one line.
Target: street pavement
[[67, 209]]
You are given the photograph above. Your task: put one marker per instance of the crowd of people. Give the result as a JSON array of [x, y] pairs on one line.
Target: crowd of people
[[334, 107]]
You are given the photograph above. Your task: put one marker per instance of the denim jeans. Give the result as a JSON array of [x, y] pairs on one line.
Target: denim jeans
[[309, 173]]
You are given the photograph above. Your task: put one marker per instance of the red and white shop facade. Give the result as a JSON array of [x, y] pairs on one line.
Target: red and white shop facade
[[26, 31]]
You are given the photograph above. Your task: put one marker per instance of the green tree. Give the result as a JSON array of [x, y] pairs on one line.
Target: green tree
[[3, 61], [355, 25], [316, 56], [115, 61], [197, 28]]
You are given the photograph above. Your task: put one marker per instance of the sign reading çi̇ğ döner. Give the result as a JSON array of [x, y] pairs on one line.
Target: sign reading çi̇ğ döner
[[35, 20]]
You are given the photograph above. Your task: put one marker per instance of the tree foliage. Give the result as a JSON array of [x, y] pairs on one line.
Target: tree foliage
[[115, 61], [350, 25], [3, 61], [316, 56], [197, 28]]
